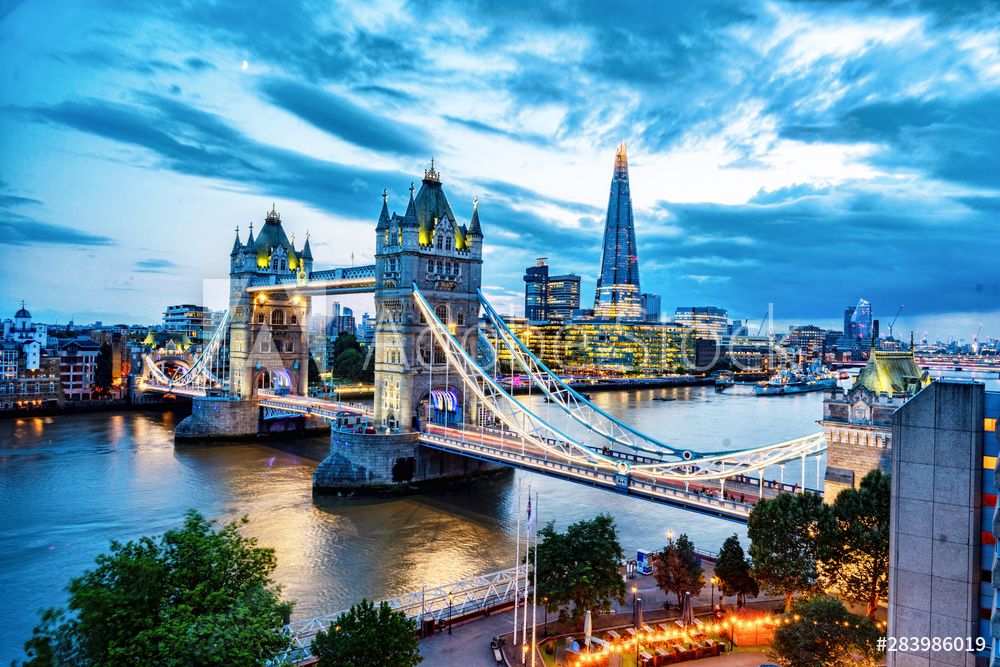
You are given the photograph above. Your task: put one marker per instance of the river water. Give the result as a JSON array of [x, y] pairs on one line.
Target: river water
[[71, 484]]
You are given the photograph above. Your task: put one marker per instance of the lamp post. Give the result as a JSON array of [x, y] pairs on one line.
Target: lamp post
[[449, 613], [713, 594], [633, 599], [545, 632], [524, 653]]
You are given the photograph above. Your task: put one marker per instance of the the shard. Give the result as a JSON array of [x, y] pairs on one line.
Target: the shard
[[618, 295]]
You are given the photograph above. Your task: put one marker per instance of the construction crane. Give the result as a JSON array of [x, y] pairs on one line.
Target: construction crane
[[763, 321], [975, 339], [894, 320]]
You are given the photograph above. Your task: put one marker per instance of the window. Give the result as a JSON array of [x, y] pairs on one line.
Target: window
[[277, 346], [460, 319], [292, 318], [260, 317], [442, 313], [439, 242], [264, 346], [282, 265], [290, 347], [277, 316], [447, 243]]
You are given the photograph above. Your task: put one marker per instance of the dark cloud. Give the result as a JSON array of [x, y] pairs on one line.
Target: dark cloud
[[155, 266], [197, 143], [197, 64], [18, 230], [338, 116]]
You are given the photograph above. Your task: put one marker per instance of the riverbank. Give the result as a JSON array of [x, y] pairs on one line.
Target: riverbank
[[181, 406]]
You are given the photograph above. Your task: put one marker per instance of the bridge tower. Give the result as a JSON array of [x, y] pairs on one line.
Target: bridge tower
[[268, 336], [425, 246]]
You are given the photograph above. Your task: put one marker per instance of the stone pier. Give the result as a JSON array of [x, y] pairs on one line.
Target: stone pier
[[392, 464]]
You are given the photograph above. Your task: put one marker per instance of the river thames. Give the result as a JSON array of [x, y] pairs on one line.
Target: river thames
[[71, 484]]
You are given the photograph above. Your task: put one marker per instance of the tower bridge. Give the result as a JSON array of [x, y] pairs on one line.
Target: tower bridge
[[438, 415]]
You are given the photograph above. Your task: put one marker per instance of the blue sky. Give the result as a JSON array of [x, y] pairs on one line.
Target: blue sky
[[803, 154]]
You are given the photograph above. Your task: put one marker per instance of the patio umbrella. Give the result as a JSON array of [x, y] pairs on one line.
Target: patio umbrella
[[588, 628], [687, 610], [638, 614]]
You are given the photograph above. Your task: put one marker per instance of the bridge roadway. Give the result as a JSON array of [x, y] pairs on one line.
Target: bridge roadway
[[512, 451], [509, 449]]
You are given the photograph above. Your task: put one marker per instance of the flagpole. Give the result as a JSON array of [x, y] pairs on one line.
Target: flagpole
[[527, 580], [517, 558], [534, 589]]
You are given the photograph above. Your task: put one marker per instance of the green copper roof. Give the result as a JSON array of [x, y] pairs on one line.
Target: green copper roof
[[892, 372]]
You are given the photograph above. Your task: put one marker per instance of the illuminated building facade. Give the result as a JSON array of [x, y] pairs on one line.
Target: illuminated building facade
[[563, 298], [29, 368], [267, 333], [618, 293], [708, 321]]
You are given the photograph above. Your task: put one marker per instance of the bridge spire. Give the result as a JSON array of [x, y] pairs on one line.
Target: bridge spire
[[383, 218], [410, 217]]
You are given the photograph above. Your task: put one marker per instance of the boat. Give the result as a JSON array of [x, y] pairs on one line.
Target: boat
[[664, 399], [789, 382]]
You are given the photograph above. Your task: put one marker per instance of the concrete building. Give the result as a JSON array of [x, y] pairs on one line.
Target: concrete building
[[942, 542], [198, 323], [563, 297], [77, 364]]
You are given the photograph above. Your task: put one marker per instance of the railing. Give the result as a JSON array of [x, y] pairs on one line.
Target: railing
[[477, 594]]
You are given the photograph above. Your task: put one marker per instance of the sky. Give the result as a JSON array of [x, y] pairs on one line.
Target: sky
[[786, 155]]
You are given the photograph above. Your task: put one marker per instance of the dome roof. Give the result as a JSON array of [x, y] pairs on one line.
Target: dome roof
[[23, 312]]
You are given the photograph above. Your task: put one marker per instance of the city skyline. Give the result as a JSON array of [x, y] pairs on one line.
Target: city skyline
[[830, 152]]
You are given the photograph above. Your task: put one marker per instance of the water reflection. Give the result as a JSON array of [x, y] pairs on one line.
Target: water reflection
[[71, 484]]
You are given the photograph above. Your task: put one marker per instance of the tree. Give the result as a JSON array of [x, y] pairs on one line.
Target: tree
[[856, 558], [369, 637], [676, 569], [821, 633], [197, 596], [314, 376], [733, 573], [103, 374], [690, 559], [349, 359], [785, 534], [581, 566]]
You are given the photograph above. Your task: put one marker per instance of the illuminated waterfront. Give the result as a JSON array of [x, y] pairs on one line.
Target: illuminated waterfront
[[71, 484]]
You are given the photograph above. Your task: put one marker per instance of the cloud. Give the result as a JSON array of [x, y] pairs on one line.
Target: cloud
[[340, 117], [788, 193], [24, 231], [155, 266]]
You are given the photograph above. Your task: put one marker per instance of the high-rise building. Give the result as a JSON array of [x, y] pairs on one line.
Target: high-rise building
[[563, 297], [618, 295], [651, 307], [196, 322], [860, 324], [708, 321], [536, 291]]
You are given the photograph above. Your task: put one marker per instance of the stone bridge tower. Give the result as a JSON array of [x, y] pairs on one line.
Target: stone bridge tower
[[428, 247], [268, 333]]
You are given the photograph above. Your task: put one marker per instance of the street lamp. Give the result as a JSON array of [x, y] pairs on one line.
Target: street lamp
[[670, 534], [449, 613], [524, 653], [713, 593], [545, 633], [633, 598]]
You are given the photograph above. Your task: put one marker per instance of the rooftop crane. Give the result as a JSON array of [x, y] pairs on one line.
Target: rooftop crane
[[894, 320], [975, 339]]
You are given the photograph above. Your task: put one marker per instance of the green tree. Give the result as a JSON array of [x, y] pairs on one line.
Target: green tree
[[198, 596], [733, 573], [685, 549], [581, 566], [821, 633], [349, 359], [856, 558], [369, 637], [785, 534], [314, 376], [103, 375]]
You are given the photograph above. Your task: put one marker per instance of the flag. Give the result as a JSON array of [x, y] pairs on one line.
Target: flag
[[531, 517]]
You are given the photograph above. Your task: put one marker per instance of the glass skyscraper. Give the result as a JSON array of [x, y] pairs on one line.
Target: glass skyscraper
[[618, 294]]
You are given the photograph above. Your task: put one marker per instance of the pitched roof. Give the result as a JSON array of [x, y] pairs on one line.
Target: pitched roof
[[892, 372], [271, 237]]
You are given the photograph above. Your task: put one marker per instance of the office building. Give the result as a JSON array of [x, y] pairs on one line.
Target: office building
[[707, 321], [563, 299], [618, 294], [198, 323], [536, 291], [651, 307]]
